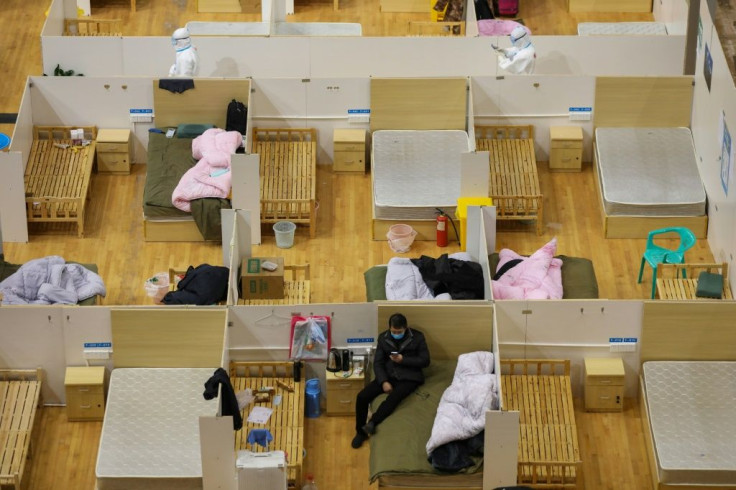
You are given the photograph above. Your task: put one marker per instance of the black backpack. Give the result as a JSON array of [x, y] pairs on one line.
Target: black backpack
[[237, 116]]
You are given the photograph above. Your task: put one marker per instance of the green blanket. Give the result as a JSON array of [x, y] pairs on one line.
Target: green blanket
[[578, 279], [168, 160], [399, 444]]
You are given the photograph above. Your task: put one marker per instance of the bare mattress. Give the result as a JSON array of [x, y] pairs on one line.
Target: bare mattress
[[648, 172], [150, 435], [622, 29], [415, 172], [692, 406]]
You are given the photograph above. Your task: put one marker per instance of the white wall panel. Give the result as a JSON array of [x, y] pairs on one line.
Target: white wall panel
[[609, 55], [708, 107], [539, 100], [572, 330], [13, 225], [90, 55], [33, 337]]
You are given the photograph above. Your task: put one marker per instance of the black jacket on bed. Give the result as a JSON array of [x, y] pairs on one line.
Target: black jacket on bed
[[461, 278], [204, 285], [229, 401]]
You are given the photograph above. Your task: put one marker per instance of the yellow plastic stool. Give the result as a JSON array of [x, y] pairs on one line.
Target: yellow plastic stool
[[461, 213]]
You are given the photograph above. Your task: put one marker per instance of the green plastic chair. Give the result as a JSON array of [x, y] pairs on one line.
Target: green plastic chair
[[654, 254]]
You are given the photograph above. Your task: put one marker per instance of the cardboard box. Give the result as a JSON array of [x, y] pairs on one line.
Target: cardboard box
[[258, 283]]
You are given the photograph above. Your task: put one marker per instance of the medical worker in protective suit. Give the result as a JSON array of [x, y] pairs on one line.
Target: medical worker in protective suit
[[520, 57], [187, 60]]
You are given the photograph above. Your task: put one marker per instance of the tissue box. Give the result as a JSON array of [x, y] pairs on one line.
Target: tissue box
[[258, 283]]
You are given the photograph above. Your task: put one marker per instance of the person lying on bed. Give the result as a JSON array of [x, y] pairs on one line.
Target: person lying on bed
[[401, 353]]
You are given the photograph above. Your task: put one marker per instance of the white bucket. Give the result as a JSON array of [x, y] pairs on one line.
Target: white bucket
[[284, 231], [400, 237]]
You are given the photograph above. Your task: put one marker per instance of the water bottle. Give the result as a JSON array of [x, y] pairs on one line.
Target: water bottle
[[309, 483]]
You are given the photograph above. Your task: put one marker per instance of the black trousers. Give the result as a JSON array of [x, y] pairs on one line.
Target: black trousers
[[401, 389]]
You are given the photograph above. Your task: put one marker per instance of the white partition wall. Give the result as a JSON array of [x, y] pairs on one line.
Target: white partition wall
[[539, 100], [714, 103], [571, 329]]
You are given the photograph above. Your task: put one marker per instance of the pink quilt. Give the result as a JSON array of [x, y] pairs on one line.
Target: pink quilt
[[536, 277], [210, 177]]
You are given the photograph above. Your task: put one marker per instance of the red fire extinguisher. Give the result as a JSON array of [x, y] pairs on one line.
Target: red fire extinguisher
[[442, 229]]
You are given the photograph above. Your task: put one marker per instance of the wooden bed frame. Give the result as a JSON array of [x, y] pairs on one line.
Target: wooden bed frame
[[92, 27], [288, 173], [20, 396], [287, 420], [549, 455], [680, 281], [57, 179], [297, 288], [514, 184]]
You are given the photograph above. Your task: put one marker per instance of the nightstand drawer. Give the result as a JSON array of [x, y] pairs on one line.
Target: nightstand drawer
[[566, 144], [348, 146], [341, 402], [113, 162], [103, 147], [90, 406], [604, 398], [604, 380], [564, 159], [84, 389], [349, 161]]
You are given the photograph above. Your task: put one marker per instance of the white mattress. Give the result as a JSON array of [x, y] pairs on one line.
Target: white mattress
[[622, 28], [415, 172], [692, 409], [150, 435], [649, 172]]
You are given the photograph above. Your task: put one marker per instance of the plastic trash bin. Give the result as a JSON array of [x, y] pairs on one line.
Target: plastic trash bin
[[400, 237], [284, 231], [311, 403], [461, 213]]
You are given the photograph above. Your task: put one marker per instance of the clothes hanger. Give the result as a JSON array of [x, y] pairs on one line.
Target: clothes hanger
[[277, 319]]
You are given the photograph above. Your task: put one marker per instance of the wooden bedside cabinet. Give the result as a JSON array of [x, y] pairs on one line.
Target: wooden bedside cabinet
[[341, 392], [349, 150], [113, 151], [85, 393], [565, 148], [604, 385]]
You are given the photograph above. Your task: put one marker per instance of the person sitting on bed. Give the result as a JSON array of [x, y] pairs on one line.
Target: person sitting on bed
[[401, 353]]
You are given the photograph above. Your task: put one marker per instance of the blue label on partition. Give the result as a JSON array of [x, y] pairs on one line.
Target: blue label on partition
[[615, 339], [633, 340], [141, 111], [361, 340], [359, 111], [97, 345], [580, 109]]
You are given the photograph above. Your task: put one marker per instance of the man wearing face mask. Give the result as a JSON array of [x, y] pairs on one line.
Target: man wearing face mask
[[401, 353]]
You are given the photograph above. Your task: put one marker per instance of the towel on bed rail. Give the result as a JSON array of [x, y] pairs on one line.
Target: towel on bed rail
[[50, 280], [461, 412], [211, 176], [538, 276]]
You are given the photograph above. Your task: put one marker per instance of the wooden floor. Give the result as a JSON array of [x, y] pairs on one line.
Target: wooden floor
[[612, 446]]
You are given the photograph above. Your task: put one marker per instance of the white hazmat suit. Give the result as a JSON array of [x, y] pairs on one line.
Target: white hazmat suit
[[521, 56], [187, 60]]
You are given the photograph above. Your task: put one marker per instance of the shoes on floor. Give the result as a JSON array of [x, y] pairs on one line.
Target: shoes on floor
[[358, 440], [369, 428]]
